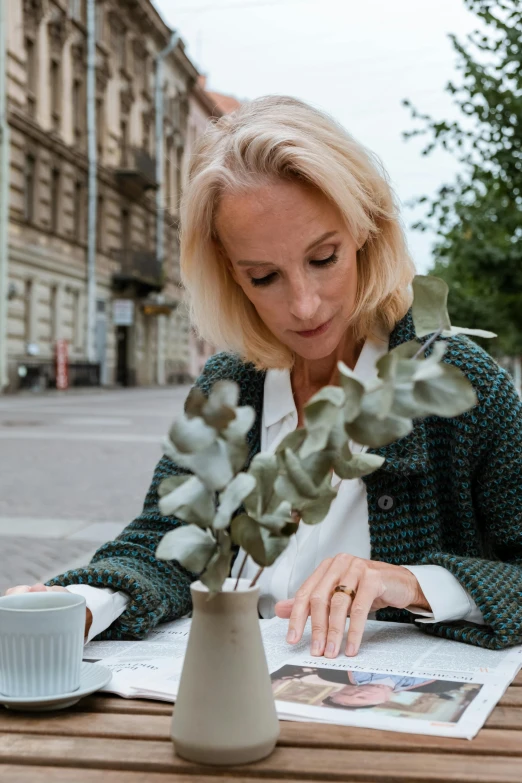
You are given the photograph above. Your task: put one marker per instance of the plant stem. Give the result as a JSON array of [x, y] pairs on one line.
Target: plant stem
[[427, 344], [243, 564], [254, 580]]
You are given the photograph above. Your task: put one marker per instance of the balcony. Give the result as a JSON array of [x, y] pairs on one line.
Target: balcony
[[139, 268], [137, 172]]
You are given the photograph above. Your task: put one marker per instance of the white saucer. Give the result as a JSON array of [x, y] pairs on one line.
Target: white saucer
[[92, 678]]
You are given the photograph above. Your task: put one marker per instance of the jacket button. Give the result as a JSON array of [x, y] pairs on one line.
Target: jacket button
[[386, 502]]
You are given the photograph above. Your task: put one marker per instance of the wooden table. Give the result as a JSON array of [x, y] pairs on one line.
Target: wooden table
[[110, 740]]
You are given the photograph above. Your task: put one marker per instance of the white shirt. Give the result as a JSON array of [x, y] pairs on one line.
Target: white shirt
[[344, 529]]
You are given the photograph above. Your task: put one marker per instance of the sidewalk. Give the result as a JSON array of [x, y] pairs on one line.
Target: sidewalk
[[27, 558]]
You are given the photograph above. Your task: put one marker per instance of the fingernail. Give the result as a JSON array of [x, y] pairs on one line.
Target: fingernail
[[291, 637], [316, 647], [350, 650], [330, 648]]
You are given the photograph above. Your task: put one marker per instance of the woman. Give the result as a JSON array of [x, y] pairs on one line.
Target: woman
[[293, 258]]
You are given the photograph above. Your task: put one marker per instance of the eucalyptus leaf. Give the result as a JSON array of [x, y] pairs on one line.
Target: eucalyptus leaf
[[231, 498], [430, 308], [314, 511], [294, 440], [276, 520], [189, 501], [359, 465], [368, 430], [298, 475], [237, 453], [240, 425], [191, 435], [320, 417], [212, 465], [264, 468], [262, 547], [471, 332], [353, 390], [218, 411], [448, 394], [189, 545], [171, 483], [218, 567], [195, 402]]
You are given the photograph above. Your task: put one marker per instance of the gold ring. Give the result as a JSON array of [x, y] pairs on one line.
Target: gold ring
[[346, 590]]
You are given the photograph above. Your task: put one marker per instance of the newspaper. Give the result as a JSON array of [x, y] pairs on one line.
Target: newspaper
[[401, 680]]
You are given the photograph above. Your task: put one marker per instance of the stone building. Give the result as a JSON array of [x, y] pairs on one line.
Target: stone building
[[140, 334]]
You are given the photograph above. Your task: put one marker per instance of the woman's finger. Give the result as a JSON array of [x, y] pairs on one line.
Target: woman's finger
[[301, 607], [284, 608], [18, 589], [340, 605], [343, 569], [368, 590]]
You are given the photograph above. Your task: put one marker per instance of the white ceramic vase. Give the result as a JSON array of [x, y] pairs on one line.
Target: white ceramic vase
[[225, 711]]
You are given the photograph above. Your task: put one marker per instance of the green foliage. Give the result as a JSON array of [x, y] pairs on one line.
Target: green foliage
[[258, 509], [478, 218]]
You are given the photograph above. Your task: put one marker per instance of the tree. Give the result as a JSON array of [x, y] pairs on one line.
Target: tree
[[478, 218]]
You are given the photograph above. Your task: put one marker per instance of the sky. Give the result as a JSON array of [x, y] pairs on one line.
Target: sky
[[355, 60]]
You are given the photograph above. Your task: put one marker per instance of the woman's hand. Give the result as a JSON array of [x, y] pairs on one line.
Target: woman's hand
[[376, 585], [41, 588]]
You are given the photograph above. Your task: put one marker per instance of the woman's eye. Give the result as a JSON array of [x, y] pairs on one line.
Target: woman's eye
[[260, 281], [324, 261]]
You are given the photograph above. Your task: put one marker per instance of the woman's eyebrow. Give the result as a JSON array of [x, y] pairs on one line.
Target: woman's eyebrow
[[318, 241]]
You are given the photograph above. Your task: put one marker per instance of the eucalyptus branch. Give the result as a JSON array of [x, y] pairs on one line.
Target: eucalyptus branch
[[243, 564], [254, 580], [429, 342]]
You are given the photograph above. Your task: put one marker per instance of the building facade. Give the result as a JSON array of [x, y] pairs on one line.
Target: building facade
[[140, 333]]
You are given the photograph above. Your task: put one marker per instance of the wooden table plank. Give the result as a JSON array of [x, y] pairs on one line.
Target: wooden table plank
[[505, 718], [116, 726], [10, 773], [290, 763], [518, 679]]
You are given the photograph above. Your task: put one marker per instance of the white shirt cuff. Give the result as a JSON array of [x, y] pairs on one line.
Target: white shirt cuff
[[106, 606], [446, 596]]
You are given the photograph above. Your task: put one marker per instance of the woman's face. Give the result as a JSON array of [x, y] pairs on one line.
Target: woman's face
[[293, 257]]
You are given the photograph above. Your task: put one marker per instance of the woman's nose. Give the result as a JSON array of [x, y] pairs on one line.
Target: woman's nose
[[304, 304]]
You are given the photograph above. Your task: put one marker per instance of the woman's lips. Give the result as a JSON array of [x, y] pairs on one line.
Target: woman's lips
[[316, 332]]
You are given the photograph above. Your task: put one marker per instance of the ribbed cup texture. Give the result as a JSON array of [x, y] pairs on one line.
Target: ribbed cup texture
[[34, 665]]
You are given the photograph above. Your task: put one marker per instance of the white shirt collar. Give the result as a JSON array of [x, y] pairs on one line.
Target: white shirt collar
[[278, 396]]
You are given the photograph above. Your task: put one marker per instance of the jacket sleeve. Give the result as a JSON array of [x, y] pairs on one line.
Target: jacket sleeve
[[159, 590], [495, 583]]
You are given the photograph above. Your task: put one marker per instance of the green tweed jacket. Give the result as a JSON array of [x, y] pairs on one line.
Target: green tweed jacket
[[456, 489]]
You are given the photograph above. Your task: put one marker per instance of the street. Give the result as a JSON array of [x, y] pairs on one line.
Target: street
[[74, 470]]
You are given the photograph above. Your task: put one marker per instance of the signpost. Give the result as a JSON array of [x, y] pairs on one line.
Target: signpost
[[123, 312]]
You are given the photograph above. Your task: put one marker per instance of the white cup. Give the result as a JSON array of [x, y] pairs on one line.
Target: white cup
[[41, 643]]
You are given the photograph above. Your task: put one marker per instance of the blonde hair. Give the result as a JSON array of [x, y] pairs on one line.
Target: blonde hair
[[281, 137]]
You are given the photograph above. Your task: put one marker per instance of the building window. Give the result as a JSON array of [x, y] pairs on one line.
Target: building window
[[118, 41], [78, 211], [28, 312], [29, 187], [56, 92], [125, 229], [77, 302], [100, 125], [146, 133], [78, 110], [55, 200], [100, 223], [53, 314], [30, 50], [124, 141]]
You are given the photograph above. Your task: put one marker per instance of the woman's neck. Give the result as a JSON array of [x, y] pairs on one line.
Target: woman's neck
[[308, 376]]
